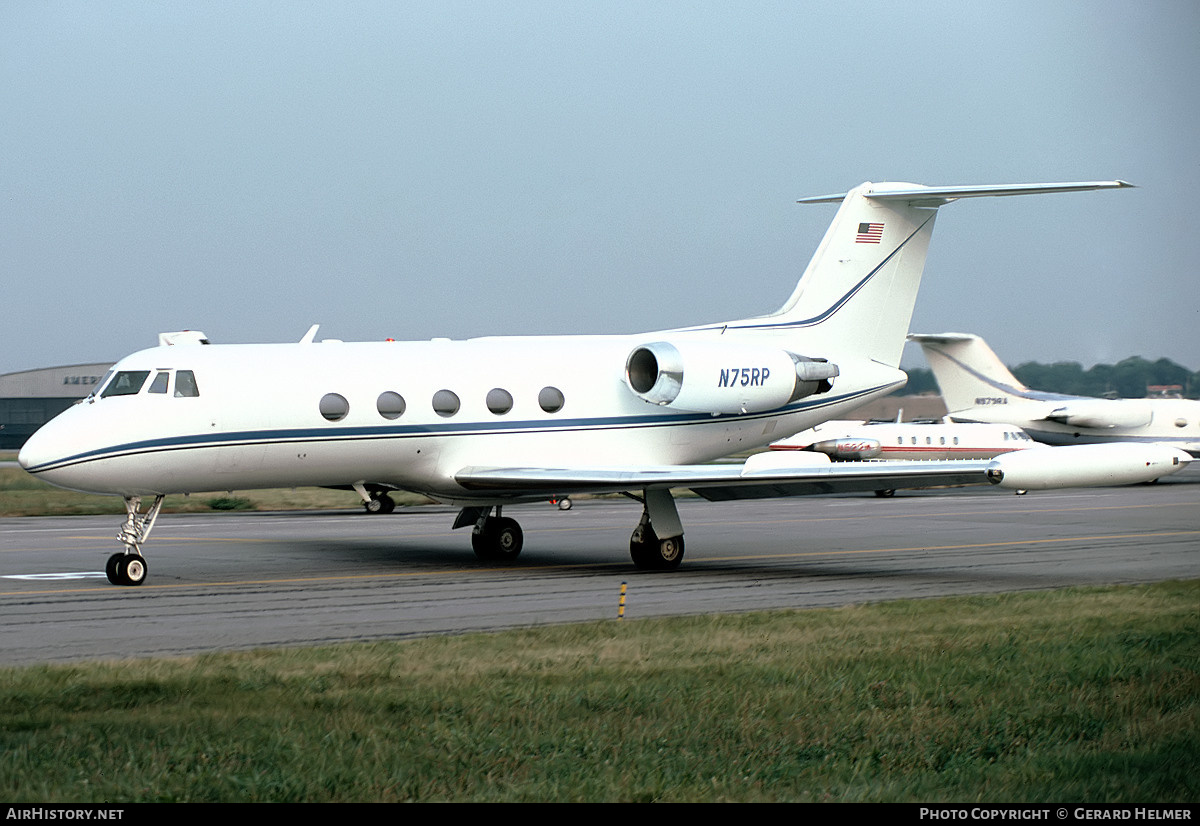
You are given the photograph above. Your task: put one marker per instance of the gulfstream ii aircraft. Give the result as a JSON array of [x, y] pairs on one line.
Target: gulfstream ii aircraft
[[977, 387], [487, 422]]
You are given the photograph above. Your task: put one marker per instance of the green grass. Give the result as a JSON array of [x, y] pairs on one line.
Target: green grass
[[1089, 695]]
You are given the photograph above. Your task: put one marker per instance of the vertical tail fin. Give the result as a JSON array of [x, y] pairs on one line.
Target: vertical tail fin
[[967, 370], [861, 285]]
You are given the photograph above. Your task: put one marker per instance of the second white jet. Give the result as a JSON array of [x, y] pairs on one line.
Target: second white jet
[[977, 387]]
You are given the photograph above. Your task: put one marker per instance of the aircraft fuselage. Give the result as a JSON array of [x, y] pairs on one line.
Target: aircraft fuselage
[[400, 414]]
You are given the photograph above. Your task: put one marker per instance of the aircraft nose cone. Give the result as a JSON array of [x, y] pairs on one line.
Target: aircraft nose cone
[[27, 457], [35, 452], [42, 454], [45, 447]]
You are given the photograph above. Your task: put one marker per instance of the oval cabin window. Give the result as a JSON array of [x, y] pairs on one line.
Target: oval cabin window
[[499, 401], [334, 407], [551, 399], [390, 405], [445, 403]]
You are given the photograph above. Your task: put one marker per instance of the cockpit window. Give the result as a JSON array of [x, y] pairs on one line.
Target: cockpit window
[[125, 383], [185, 384], [159, 385], [100, 386]]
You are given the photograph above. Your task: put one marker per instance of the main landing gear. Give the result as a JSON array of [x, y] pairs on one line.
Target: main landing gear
[[375, 501], [497, 538], [493, 538], [379, 502], [656, 543], [651, 553], [129, 568]]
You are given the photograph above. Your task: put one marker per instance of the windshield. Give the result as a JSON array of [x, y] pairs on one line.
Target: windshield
[[125, 383], [99, 386]]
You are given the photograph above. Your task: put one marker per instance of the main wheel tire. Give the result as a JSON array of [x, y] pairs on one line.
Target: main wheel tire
[[379, 503], [132, 569], [642, 547], [509, 539], [649, 553], [642, 556], [500, 540]]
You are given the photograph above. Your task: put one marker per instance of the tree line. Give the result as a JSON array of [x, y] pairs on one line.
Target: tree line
[[1127, 379]]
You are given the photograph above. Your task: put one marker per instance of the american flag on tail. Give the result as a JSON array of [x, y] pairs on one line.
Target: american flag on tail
[[869, 234]]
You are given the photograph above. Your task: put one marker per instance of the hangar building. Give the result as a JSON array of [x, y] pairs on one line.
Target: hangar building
[[31, 398]]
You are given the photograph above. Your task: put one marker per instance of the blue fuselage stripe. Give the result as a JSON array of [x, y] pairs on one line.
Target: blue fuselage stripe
[[390, 432]]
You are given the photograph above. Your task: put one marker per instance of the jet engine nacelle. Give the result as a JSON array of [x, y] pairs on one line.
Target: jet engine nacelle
[[719, 377], [1103, 413], [848, 449], [1118, 463]]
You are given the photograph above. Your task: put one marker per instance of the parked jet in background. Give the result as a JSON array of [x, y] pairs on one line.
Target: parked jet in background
[[856, 440], [487, 422], [848, 441], [977, 387]]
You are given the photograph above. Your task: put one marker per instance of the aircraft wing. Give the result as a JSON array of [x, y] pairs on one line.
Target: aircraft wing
[[791, 473], [763, 476]]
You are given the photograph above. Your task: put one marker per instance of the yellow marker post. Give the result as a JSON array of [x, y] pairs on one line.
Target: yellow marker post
[[621, 607]]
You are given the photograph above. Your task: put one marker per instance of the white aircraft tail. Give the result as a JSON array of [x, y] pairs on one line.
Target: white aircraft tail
[[968, 373], [861, 285]]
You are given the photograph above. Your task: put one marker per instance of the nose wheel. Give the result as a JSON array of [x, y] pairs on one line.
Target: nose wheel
[[126, 569]]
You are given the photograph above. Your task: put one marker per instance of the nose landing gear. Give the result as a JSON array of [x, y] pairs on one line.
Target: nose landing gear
[[130, 568]]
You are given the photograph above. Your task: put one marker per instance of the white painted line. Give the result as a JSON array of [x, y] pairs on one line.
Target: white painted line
[[73, 575]]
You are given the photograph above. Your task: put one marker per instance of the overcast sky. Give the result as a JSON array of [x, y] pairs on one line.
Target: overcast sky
[[411, 170]]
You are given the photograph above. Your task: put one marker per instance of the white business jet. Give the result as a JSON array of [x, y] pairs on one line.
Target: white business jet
[[977, 387], [856, 440], [487, 422]]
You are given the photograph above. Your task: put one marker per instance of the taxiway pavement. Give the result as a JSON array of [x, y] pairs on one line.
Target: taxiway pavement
[[243, 580]]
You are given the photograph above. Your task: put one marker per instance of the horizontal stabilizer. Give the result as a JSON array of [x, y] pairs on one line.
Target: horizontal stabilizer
[[940, 338], [934, 196]]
